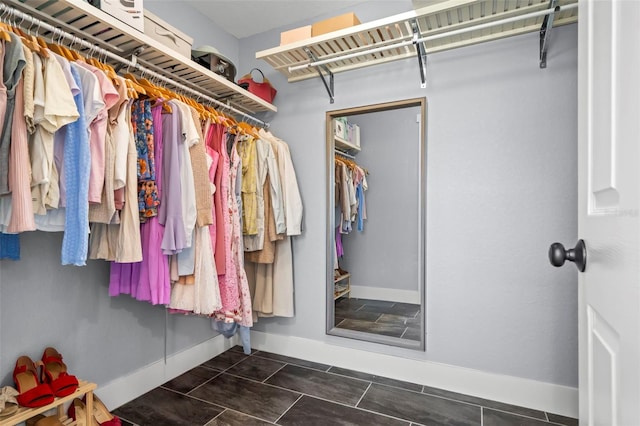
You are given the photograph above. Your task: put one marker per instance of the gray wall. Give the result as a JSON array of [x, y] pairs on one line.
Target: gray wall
[[101, 338], [385, 254], [502, 185]]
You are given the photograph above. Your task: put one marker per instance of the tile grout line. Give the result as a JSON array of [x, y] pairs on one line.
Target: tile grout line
[[297, 365], [546, 415], [316, 397], [196, 398], [288, 390], [233, 365], [378, 383], [363, 394], [290, 407], [515, 414], [404, 332], [475, 404], [204, 383], [363, 380], [481, 416], [422, 392], [218, 415], [250, 415], [127, 420], [272, 374]]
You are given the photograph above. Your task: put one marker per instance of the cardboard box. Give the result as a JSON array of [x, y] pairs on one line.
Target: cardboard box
[[296, 34], [169, 36], [334, 24], [128, 11]]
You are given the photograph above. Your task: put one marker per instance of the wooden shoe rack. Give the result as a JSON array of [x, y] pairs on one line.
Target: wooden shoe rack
[[24, 413], [342, 286]]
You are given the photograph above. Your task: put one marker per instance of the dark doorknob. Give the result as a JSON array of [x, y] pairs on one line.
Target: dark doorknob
[[578, 255]]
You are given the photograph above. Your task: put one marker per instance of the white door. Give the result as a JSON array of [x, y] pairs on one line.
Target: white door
[[608, 212]]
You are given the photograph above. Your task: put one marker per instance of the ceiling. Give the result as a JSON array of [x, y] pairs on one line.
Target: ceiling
[[259, 16]]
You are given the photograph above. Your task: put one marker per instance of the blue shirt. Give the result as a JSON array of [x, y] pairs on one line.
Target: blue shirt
[[77, 165]]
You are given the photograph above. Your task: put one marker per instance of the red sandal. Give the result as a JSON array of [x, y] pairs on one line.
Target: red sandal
[[54, 372], [32, 392], [78, 412], [101, 414]]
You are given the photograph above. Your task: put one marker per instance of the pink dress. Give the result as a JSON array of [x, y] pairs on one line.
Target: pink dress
[[228, 282], [237, 252], [215, 137], [147, 280], [213, 157]]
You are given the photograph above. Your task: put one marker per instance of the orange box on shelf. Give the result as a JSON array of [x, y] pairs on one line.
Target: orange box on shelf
[[295, 34], [334, 24]]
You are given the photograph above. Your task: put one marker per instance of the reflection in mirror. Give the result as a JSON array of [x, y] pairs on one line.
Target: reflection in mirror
[[376, 223]]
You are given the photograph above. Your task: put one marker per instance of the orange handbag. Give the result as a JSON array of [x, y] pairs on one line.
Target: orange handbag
[[262, 89]]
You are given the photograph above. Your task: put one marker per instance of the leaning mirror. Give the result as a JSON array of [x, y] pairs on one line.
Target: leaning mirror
[[376, 223]]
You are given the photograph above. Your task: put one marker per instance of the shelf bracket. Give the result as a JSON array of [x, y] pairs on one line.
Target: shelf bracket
[[547, 24], [133, 53], [319, 69], [422, 54]]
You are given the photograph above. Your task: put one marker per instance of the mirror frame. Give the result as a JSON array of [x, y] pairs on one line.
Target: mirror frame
[[331, 329]]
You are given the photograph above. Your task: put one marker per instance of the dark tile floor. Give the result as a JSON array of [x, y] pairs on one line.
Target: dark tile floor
[[393, 319], [235, 389]]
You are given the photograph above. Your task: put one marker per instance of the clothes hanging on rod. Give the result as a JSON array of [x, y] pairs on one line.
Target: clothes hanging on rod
[[156, 176], [350, 184], [278, 217]]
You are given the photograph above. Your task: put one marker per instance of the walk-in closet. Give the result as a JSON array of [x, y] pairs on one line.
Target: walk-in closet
[[314, 213]]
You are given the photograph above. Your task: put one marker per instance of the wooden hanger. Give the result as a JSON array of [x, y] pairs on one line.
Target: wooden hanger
[[134, 83], [42, 43], [29, 41], [62, 51], [156, 93], [248, 129], [4, 32]]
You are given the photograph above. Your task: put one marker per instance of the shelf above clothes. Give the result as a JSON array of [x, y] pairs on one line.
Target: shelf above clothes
[[442, 26], [344, 145], [100, 29]]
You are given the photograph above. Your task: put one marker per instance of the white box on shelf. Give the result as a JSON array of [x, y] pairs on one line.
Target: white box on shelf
[[170, 36], [128, 11], [353, 134], [340, 128]]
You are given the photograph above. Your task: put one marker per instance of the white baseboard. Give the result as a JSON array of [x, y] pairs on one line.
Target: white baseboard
[[127, 388], [533, 394], [389, 294]]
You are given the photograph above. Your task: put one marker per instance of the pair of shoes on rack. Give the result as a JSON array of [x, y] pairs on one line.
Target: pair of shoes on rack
[[39, 390], [100, 416]]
